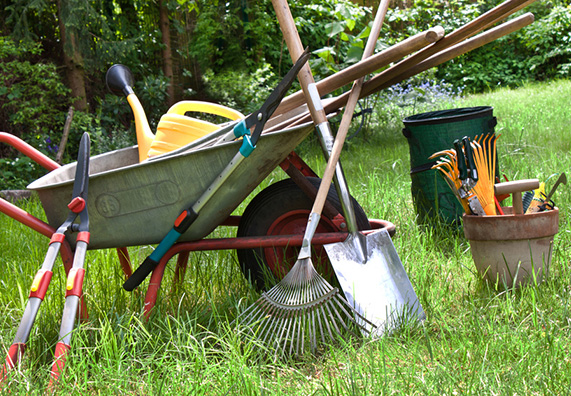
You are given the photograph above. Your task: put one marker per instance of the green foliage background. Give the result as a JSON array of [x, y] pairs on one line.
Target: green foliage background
[[229, 52]]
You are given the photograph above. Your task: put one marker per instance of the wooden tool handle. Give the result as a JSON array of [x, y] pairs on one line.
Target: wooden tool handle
[[516, 187], [384, 80], [295, 47], [349, 109], [365, 66]]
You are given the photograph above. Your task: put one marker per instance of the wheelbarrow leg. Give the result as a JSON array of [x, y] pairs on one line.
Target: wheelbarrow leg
[[154, 286], [180, 270], [125, 261], [183, 250]]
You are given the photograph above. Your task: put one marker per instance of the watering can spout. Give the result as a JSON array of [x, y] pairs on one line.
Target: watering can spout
[[144, 134], [120, 81]]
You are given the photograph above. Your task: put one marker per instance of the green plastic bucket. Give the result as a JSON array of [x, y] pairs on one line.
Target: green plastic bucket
[[434, 131]]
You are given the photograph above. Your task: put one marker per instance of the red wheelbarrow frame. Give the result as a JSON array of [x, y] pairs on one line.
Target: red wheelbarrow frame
[[293, 165]]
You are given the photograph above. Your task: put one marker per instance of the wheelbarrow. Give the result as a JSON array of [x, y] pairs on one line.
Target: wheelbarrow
[[164, 186], [134, 203]]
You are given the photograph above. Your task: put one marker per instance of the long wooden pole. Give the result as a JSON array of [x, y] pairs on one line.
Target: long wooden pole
[[365, 66], [295, 47], [394, 74], [315, 105], [399, 71], [348, 114], [378, 82]]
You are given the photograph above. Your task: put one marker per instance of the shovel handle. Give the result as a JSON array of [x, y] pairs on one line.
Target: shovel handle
[[295, 46], [349, 109]]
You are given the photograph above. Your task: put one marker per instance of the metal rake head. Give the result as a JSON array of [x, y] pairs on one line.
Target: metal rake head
[[299, 311]]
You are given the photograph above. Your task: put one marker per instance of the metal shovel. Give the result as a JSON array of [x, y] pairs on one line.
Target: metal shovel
[[368, 268]]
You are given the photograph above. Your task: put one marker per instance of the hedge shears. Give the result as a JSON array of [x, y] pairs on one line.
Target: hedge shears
[[74, 284]]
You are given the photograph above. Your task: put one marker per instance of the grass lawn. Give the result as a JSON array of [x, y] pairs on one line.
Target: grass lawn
[[475, 340]]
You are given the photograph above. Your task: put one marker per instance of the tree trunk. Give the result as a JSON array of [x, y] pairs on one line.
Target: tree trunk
[[73, 64], [167, 54]]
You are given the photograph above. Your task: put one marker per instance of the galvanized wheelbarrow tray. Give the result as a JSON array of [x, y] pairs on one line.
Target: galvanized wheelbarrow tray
[[134, 203]]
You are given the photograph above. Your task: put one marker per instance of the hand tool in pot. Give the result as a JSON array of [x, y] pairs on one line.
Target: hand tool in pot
[[468, 175], [41, 282], [547, 202], [516, 187], [242, 129]]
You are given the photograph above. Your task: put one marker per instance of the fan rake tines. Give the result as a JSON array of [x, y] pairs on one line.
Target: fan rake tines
[[300, 310]]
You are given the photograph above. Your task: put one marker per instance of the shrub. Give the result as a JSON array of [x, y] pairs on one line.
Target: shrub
[[540, 51], [33, 99], [33, 106], [239, 89]]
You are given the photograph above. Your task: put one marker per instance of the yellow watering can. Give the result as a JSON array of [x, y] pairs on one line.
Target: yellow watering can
[[175, 129]]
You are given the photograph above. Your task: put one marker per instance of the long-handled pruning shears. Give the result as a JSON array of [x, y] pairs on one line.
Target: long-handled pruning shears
[[74, 285], [256, 120], [468, 175]]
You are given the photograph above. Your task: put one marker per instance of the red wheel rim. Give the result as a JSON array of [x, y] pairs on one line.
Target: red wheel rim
[[280, 260]]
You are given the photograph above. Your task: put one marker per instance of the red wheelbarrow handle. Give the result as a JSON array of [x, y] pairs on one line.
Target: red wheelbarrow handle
[[28, 151]]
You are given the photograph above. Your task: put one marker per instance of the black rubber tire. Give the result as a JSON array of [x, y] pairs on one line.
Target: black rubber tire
[[266, 208]]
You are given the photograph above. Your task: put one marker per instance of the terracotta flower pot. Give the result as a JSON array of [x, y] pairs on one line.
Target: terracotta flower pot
[[511, 250]]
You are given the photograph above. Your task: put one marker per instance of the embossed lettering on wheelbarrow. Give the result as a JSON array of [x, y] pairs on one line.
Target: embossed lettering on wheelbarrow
[[150, 196], [135, 203]]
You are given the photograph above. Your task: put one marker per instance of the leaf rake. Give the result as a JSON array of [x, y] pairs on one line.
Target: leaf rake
[[300, 310]]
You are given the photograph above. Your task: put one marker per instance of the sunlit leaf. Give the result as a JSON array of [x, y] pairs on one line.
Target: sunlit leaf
[[334, 28], [354, 54], [325, 53]]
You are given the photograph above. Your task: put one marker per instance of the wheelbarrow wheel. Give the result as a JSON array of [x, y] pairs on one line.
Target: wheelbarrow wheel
[[283, 209]]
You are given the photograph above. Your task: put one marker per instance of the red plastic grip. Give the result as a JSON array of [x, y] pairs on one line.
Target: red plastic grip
[[40, 284], [83, 237], [57, 237], [60, 357], [75, 282], [180, 218], [76, 205], [14, 354]]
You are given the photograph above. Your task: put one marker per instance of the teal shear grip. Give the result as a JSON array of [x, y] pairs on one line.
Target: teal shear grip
[[241, 129], [247, 146]]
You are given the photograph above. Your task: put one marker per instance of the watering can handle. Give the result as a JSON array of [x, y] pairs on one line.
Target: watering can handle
[[205, 107]]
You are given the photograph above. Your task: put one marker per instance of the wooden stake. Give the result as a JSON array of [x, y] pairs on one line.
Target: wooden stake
[[64, 136]]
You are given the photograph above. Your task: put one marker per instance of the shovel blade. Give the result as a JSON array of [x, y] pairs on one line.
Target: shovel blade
[[378, 288]]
